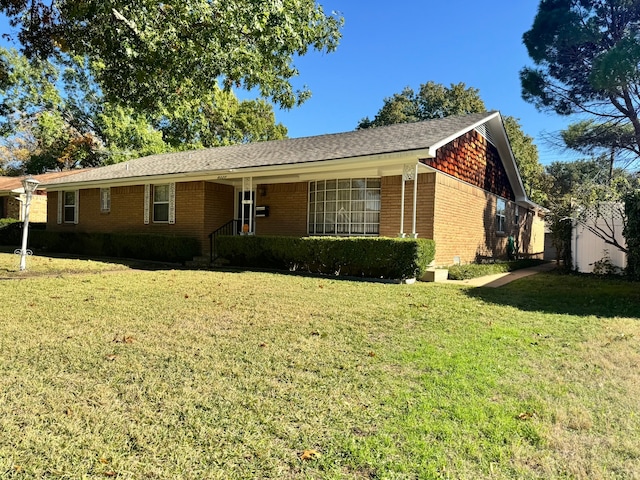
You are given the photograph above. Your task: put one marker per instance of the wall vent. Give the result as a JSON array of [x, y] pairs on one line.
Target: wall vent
[[484, 131]]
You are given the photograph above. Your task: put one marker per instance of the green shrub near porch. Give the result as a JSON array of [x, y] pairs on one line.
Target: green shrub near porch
[[391, 258], [162, 248]]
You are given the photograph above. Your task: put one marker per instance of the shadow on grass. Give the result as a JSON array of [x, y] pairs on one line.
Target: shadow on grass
[[129, 262], [569, 294]]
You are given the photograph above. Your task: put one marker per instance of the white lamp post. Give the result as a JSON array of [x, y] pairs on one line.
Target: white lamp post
[[30, 184]]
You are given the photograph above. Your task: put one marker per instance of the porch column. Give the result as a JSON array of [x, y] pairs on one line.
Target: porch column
[[414, 234], [407, 175], [247, 186], [402, 234]]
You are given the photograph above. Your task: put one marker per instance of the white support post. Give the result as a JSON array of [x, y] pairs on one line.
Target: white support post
[[414, 234], [408, 173], [402, 234], [247, 186]]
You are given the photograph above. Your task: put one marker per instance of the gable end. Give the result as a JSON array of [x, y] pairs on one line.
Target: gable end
[[473, 159]]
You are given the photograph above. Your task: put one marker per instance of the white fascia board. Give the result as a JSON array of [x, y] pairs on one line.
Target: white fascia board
[[434, 148], [281, 173]]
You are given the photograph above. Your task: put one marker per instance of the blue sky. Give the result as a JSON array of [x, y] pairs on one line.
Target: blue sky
[[388, 45]]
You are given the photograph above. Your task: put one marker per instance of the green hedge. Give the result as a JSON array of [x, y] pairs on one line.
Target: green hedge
[[474, 270], [389, 258], [632, 234], [11, 231], [136, 246]]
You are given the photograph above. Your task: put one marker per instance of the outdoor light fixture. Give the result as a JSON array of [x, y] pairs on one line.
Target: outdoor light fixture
[[30, 184]]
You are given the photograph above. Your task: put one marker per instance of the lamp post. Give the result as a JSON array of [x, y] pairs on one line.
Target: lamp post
[[30, 184]]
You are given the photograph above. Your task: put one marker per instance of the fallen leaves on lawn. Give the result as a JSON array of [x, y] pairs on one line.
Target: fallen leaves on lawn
[[110, 357], [526, 415], [123, 339], [309, 454]]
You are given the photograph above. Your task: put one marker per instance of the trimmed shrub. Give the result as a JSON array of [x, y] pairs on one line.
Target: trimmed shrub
[[474, 270], [391, 258], [11, 231], [631, 234], [161, 248], [7, 221]]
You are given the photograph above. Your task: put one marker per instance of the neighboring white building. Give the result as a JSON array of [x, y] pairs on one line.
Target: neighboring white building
[[587, 248]]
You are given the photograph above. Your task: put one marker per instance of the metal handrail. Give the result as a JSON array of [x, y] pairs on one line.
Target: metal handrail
[[229, 228]]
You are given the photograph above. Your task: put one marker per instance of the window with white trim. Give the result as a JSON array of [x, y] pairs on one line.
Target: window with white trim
[[349, 206], [501, 215], [161, 203], [105, 200], [70, 206]]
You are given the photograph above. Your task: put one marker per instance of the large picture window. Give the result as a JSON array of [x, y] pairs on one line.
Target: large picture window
[[348, 206]]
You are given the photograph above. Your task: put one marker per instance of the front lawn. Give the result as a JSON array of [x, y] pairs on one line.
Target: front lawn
[[195, 374]]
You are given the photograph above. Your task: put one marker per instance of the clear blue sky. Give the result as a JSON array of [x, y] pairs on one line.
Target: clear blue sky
[[388, 45]]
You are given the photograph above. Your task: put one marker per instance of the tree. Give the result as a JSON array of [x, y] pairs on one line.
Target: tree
[[54, 116], [582, 190], [433, 100], [587, 60], [437, 101], [219, 118], [525, 153], [154, 54]]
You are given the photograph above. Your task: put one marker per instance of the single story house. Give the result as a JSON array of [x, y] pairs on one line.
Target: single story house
[[13, 198], [453, 179]]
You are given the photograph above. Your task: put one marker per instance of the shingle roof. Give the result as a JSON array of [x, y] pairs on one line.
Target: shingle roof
[[359, 143], [8, 184]]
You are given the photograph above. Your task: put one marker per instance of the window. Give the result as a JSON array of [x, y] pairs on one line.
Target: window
[[70, 204], [160, 203], [344, 207], [501, 215], [105, 200]]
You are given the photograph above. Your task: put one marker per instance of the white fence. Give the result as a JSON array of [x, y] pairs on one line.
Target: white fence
[[587, 248]]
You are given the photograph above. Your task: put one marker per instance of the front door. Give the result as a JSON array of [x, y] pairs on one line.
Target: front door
[[246, 212]]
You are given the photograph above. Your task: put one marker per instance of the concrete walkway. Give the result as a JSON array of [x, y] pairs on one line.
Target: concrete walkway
[[500, 279]]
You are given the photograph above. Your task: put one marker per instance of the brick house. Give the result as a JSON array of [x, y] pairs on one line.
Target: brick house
[[453, 179], [12, 197]]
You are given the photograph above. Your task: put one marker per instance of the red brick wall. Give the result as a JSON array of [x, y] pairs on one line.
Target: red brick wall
[[200, 207], [218, 206], [465, 224], [288, 208], [472, 159], [391, 196]]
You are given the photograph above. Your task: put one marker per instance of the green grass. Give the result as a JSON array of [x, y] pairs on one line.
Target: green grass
[[193, 374]]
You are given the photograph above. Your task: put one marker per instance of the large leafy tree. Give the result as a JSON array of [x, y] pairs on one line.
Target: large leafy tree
[[218, 118], [435, 100], [151, 54], [586, 56], [53, 115]]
